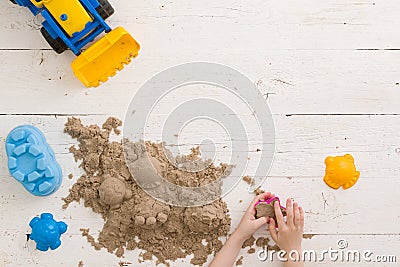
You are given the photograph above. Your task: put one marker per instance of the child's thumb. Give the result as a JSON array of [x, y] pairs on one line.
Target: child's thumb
[[261, 221]]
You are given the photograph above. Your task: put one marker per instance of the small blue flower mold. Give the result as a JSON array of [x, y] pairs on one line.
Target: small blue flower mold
[[31, 161], [46, 232]]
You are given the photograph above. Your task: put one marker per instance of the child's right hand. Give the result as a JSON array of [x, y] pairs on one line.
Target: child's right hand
[[249, 223], [290, 233]]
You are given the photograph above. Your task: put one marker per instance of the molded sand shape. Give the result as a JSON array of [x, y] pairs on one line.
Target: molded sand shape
[[266, 208], [113, 191], [150, 214]]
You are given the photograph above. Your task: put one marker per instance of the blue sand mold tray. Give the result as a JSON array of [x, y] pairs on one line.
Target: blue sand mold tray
[[31, 161], [46, 232]]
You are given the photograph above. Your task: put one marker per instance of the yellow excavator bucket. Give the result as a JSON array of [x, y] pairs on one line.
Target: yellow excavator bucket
[[105, 57]]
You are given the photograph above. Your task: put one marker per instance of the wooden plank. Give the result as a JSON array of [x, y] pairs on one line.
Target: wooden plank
[[295, 82], [225, 25], [302, 142]]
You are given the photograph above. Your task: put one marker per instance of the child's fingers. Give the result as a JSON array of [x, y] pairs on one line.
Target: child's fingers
[[266, 195], [260, 197], [272, 229], [301, 217], [251, 209], [289, 212], [260, 221], [296, 212], [278, 214]]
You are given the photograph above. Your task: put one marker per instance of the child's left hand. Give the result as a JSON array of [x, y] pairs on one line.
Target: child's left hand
[[249, 224], [290, 233]]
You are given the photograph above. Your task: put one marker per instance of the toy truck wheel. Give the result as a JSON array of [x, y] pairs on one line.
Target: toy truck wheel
[[13, 1], [57, 44], [105, 9]]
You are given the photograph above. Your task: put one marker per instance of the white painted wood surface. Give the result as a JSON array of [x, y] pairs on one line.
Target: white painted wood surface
[[329, 70]]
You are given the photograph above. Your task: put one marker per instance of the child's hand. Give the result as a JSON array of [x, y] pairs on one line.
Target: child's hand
[[290, 233], [249, 224]]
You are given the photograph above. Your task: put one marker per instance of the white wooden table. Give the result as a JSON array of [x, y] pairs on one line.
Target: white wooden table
[[330, 71]]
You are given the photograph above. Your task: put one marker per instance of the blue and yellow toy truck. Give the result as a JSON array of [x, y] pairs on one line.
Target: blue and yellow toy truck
[[73, 24]]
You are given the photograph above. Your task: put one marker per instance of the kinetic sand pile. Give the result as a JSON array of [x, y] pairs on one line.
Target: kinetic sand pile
[[133, 219]]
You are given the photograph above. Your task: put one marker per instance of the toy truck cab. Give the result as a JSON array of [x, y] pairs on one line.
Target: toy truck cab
[[75, 23]]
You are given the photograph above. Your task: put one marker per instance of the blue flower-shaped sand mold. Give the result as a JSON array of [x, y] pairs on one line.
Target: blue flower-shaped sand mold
[[31, 161], [46, 232]]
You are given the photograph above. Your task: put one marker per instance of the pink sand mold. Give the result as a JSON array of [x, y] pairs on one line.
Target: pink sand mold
[[270, 200]]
